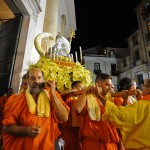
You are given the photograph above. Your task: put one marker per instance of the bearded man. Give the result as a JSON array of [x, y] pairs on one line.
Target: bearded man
[[32, 124]]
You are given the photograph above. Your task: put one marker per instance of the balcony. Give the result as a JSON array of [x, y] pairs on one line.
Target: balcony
[[97, 71], [114, 73]]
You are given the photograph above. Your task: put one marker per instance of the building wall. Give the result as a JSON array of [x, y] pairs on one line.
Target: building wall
[[142, 22], [105, 65], [138, 44]]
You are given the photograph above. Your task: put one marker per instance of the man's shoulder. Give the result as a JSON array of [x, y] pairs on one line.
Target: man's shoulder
[[15, 98]]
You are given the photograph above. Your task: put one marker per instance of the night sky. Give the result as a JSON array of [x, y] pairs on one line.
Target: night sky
[[107, 23]]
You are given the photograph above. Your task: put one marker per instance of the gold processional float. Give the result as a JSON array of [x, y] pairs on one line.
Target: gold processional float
[[58, 64]]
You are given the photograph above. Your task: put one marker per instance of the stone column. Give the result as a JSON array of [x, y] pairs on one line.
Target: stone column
[[51, 16], [51, 20]]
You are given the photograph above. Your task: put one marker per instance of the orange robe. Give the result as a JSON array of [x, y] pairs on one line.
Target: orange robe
[[98, 135], [118, 101], [146, 97], [18, 113], [3, 100], [70, 129]]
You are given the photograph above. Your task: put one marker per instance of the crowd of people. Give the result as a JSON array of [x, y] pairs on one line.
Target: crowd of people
[[97, 117]]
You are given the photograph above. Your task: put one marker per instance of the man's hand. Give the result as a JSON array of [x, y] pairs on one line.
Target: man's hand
[[20, 131], [139, 94], [125, 95], [88, 90], [51, 84], [96, 90], [33, 131]]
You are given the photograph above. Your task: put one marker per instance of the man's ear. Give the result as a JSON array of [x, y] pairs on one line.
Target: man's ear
[[99, 84]]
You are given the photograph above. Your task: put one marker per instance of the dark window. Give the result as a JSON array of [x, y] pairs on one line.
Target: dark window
[[137, 55], [135, 39], [113, 67], [114, 71], [96, 66], [104, 52], [112, 53], [147, 37], [124, 62], [146, 10], [140, 80]]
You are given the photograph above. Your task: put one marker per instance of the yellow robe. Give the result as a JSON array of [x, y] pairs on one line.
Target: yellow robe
[[133, 122]]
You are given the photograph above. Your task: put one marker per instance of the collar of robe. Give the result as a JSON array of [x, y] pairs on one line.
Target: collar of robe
[[42, 107], [93, 107]]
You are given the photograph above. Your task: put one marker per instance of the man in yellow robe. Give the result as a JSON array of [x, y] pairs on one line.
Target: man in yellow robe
[[132, 121]]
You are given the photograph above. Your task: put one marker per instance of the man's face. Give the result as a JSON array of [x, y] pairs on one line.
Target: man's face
[[113, 89], [106, 85], [79, 86], [35, 81], [24, 84], [133, 87]]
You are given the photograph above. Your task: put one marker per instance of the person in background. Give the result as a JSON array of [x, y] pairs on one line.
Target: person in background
[[132, 121], [10, 102], [77, 85], [3, 100], [133, 85], [125, 84], [24, 83], [95, 133], [70, 129], [33, 122], [113, 89]]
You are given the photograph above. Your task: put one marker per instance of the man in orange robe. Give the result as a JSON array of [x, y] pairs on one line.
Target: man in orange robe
[[33, 122], [23, 88], [70, 129], [94, 133], [3, 100], [126, 84]]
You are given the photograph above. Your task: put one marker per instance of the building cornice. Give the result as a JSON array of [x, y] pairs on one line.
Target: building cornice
[[30, 7]]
